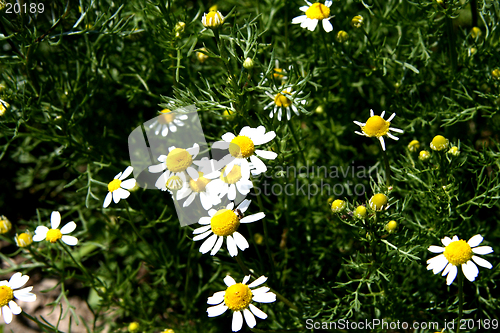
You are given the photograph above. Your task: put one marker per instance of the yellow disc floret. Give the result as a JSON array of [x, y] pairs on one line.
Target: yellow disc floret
[[281, 100], [199, 184], [241, 147], [338, 206], [238, 297], [179, 160], [53, 235], [360, 212], [225, 222], [376, 126], [6, 295], [233, 176], [114, 185], [378, 201], [166, 117], [439, 143], [318, 11], [458, 252]]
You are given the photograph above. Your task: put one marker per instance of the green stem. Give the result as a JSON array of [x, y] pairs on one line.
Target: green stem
[[460, 297], [83, 269], [387, 169], [42, 326], [290, 127]]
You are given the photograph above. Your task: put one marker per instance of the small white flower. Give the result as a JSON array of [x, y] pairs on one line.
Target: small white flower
[[377, 127], [54, 234], [168, 120], [7, 294], [228, 183], [284, 99], [459, 253], [315, 12], [118, 188], [223, 224], [238, 297], [209, 196]]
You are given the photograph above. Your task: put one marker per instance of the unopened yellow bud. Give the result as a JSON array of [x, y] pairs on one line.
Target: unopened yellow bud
[[342, 36], [357, 21]]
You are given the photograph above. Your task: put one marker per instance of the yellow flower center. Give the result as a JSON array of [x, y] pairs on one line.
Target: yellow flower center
[[241, 147], [282, 100], [338, 205], [174, 183], [238, 297], [6, 295], [167, 117], [114, 185], [278, 73], [318, 11], [233, 176], [378, 201], [224, 222], [199, 184], [53, 235], [439, 143], [179, 160], [213, 19], [376, 126], [458, 252], [24, 240], [391, 226]]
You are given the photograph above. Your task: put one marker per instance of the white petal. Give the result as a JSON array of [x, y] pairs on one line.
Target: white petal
[[243, 206], [237, 321], [446, 241], [245, 171], [231, 246], [220, 145], [217, 310], [157, 168], [229, 281], [203, 235], [259, 166], [128, 184], [216, 298], [258, 282], [372, 113], [241, 242], [201, 230], [194, 150], [268, 155], [231, 194], [327, 25], [447, 269], [118, 175], [398, 130], [328, 3], [40, 233], [217, 245], [18, 280], [126, 173], [382, 142], [172, 127], [228, 137], [264, 138], [55, 220], [184, 192], [470, 270], [192, 173], [246, 279], [205, 219], [231, 206], [437, 264], [312, 24], [25, 296], [189, 200], [391, 117], [206, 200], [211, 213], [107, 200], [299, 19], [120, 193], [70, 240], [253, 218], [481, 262], [436, 249], [475, 240], [482, 250], [69, 227], [382, 115], [208, 244], [451, 275], [164, 131], [258, 312], [264, 298], [249, 318], [15, 308], [392, 137], [244, 187], [7, 314], [455, 238]]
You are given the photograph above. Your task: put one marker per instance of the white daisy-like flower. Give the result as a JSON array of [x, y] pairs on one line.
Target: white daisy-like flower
[[459, 253], [7, 294], [209, 196], [286, 100], [228, 183], [238, 298], [315, 12], [221, 224], [242, 147], [54, 234], [377, 127], [118, 187], [168, 120], [177, 163], [213, 19]]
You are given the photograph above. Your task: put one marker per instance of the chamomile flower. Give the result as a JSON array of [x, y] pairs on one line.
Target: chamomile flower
[[177, 163], [228, 183], [168, 120], [242, 147], [5, 224], [54, 234], [7, 294], [213, 19], [459, 253], [221, 224], [284, 100], [377, 127], [238, 298], [118, 187], [315, 12], [193, 188], [24, 239]]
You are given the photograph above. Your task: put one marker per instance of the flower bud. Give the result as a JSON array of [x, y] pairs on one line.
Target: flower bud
[[360, 212], [5, 225], [424, 155], [439, 143], [342, 36], [414, 146], [212, 20], [248, 63], [454, 151], [338, 206], [378, 201], [357, 21], [391, 226]]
